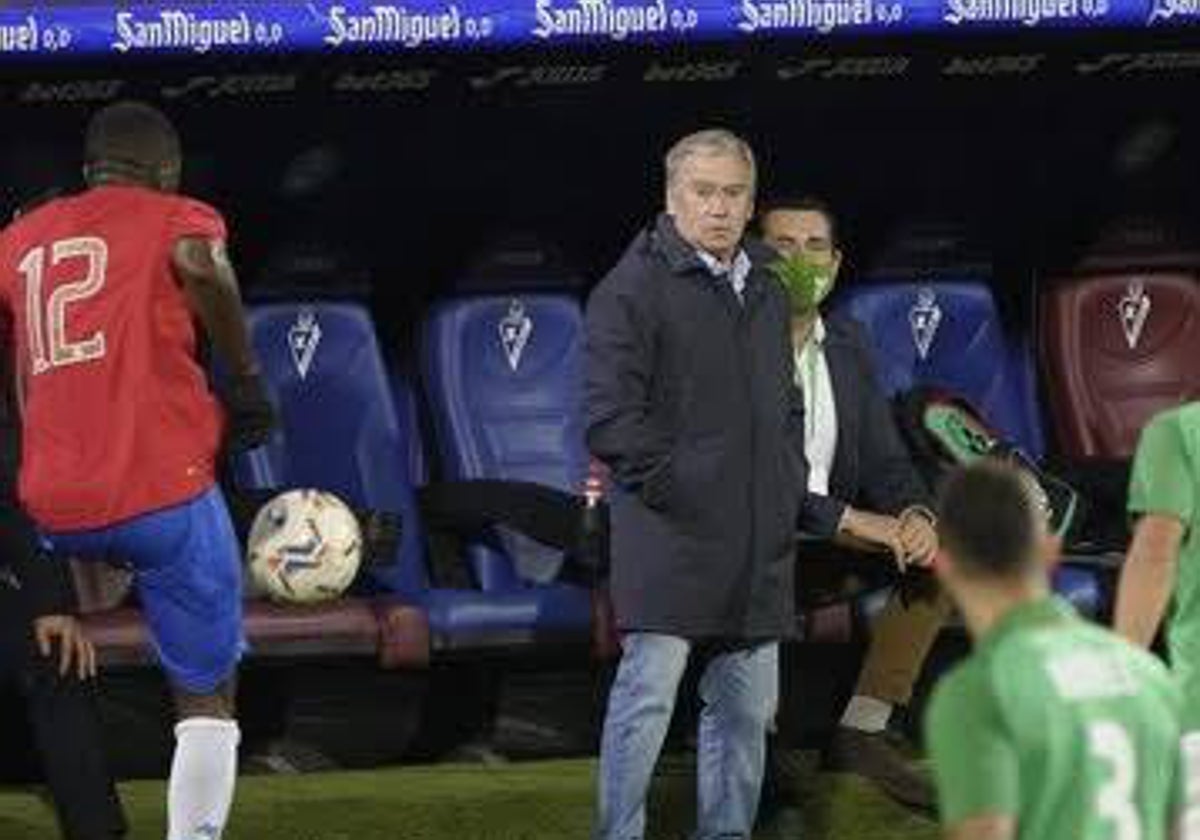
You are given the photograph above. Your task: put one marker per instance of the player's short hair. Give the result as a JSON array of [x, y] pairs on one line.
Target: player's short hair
[[710, 141], [990, 519], [131, 137], [799, 204]]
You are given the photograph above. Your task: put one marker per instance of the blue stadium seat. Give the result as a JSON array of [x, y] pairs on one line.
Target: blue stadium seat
[[947, 332], [1083, 587], [341, 431], [502, 374], [338, 432], [404, 395]]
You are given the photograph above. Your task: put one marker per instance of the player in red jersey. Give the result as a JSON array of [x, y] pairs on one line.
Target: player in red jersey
[[121, 433]]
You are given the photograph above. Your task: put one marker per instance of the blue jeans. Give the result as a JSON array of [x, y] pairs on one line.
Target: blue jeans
[[739, 691]]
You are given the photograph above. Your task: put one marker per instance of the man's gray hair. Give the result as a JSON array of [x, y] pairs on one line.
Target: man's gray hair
[[710, 141]]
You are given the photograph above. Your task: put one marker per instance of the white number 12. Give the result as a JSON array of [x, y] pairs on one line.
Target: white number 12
[[47, 323]]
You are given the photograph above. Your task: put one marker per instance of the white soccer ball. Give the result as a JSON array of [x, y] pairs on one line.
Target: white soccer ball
[[305, 547]]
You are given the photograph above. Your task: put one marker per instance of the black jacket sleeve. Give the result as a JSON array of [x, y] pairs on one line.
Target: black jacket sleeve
[[44, 582], [621, 426], [891, 481], [820, 515]]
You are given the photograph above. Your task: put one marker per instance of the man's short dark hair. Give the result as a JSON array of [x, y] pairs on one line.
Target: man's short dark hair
[[989, 520], [131, 136], [801, 204]]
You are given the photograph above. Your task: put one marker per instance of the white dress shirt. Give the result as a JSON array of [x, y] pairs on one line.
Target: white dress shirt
[[820, 411], [736, 272]]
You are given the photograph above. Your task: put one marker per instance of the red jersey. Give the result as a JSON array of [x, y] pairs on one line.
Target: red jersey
[[117, 416]]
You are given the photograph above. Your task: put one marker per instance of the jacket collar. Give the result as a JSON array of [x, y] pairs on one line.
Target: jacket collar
[[682, 257], [837, 330]]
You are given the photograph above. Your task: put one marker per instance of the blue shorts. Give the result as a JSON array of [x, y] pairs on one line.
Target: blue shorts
[[187, 567]]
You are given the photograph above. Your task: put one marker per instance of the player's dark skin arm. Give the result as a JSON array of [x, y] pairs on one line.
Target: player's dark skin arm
[[211, 287]]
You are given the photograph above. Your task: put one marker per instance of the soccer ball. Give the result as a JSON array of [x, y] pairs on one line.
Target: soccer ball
[[305, 547]]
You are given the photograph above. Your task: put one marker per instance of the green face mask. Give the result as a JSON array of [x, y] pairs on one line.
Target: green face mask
[[808, 282]]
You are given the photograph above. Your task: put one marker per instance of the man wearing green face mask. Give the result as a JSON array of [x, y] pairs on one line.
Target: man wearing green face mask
[[856, 456]]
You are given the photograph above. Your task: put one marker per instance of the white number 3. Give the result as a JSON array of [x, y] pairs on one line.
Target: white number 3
[[1109, 742], [47, 323]]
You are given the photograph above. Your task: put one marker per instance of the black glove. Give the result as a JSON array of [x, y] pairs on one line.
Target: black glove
[[250, 415]]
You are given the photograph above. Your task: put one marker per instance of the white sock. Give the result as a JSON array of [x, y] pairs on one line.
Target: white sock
[[203, 774], [867, 714]]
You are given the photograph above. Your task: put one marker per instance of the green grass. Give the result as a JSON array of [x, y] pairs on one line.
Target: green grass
[[535, 801]]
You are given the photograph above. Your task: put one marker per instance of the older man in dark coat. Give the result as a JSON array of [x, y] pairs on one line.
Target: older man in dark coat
[[691, 402]]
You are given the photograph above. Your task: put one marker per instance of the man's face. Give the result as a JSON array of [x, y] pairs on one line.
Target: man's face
[[802, 233], [712, 201]]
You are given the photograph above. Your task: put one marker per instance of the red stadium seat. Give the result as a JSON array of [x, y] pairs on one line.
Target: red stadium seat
[[1118, 344]]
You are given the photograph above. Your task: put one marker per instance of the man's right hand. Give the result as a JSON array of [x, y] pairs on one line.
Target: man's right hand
[[75, 651], [250, 414], [918, 534], [877, 530]]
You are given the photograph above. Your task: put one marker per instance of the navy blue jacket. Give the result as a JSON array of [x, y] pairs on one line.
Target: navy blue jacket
[[691, 402]]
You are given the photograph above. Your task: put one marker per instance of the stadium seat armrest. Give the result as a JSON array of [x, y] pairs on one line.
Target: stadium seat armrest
[[381, 533], [553, 517]]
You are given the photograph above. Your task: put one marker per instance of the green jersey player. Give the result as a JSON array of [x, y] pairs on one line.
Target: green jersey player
[[1164, 557], [1053, 728]]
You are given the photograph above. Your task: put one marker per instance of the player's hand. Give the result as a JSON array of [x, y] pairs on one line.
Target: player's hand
[[877, 530], [918, 536], [251, 415], [74, 649]]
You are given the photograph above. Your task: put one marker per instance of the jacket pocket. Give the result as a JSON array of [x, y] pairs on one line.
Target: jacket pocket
[[695, 468]]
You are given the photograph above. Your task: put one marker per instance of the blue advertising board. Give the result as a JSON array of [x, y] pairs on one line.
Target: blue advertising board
[[92, 29]]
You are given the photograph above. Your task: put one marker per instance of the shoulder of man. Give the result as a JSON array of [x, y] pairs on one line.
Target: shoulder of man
[[846, 329], [19, 232], [847, 332], [193, 217], [761, 254], [38, 201], [842, 329], [187, 205], [30, 212], [1161, 437], [1189, 414], [635, 266]]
